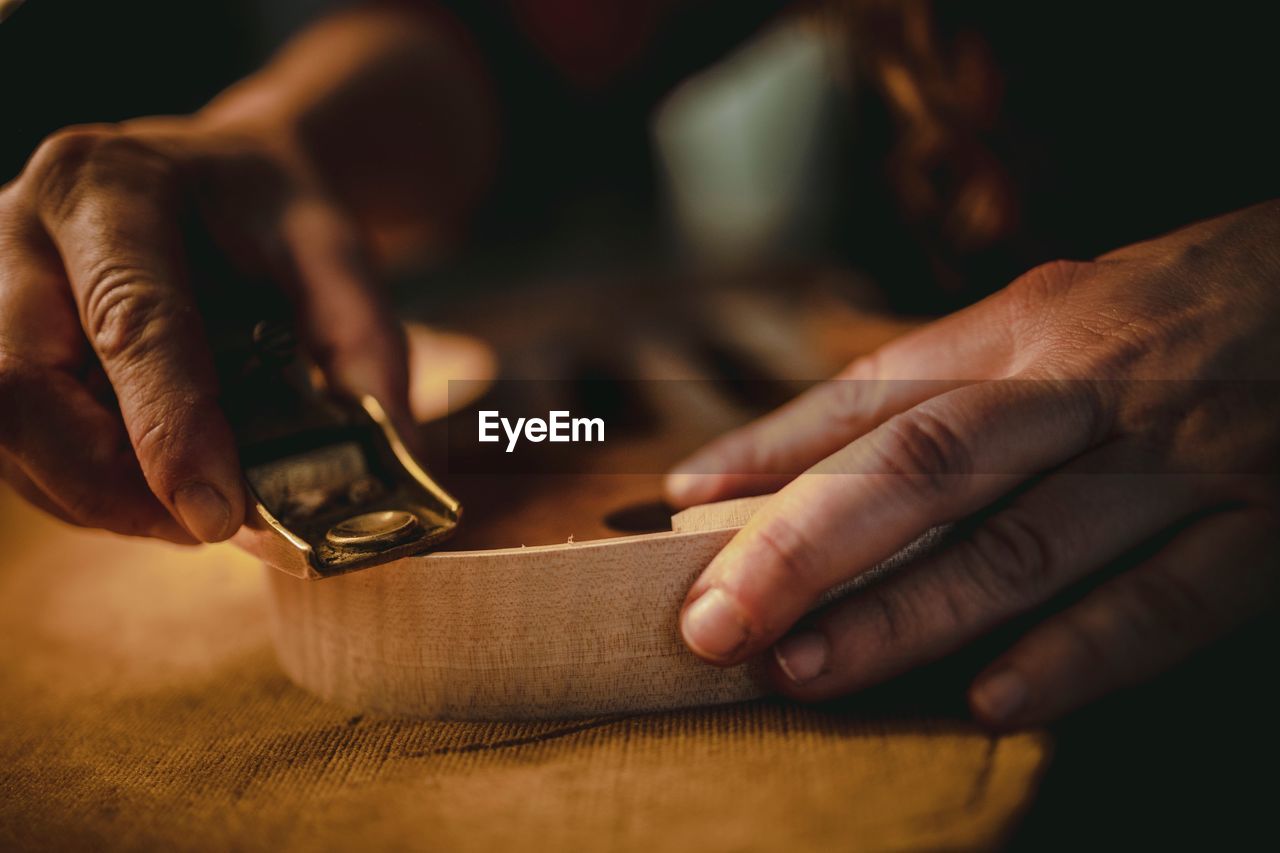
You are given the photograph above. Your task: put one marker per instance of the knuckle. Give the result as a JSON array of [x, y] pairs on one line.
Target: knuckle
[[865, 368], [74, 161], [792, 554], [1031, 298], [124, 311], [1047, 281], [925, 451], [893, 618], [1011, 557], [1164, 604], [857, 396], [60, 160], [70, 145], [1089, 404]]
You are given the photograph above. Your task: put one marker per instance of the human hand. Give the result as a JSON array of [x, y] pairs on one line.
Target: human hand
[[1085, 411], [110, 414]]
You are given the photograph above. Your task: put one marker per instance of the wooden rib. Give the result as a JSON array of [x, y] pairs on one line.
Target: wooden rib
[[518, 633]]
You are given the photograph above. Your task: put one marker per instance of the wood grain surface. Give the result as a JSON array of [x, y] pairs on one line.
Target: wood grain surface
[[543, 632]]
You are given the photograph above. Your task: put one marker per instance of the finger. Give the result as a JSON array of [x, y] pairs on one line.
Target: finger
[[964, 347], [940, 461], [110, 207], [1211, 578], [1060, 530], [768, 453], [70, 457], [163, 527], [348, 325], [17, 479], [65, 430]]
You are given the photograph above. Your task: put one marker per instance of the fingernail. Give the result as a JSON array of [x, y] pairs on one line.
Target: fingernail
[[687, 488], [204, 512], [714, 626], [1001, 696], [802, 656]]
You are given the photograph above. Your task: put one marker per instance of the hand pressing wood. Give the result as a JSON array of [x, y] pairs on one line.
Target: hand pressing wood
[[552, 631]]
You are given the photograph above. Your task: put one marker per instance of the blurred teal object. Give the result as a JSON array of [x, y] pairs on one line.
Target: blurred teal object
[[746, 146]]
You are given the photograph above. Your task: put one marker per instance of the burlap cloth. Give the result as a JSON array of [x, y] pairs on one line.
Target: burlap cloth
[[142, 708]]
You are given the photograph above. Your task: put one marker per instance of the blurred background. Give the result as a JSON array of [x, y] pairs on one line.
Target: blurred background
[[735, 137], [713, 162]]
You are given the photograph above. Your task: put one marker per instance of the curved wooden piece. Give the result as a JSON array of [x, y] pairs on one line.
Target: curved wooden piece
[[517, 633], [551, 631], [495, 632]]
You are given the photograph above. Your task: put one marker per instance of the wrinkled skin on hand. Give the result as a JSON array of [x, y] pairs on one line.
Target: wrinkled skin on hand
[[1087, 410], [110, 401]]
